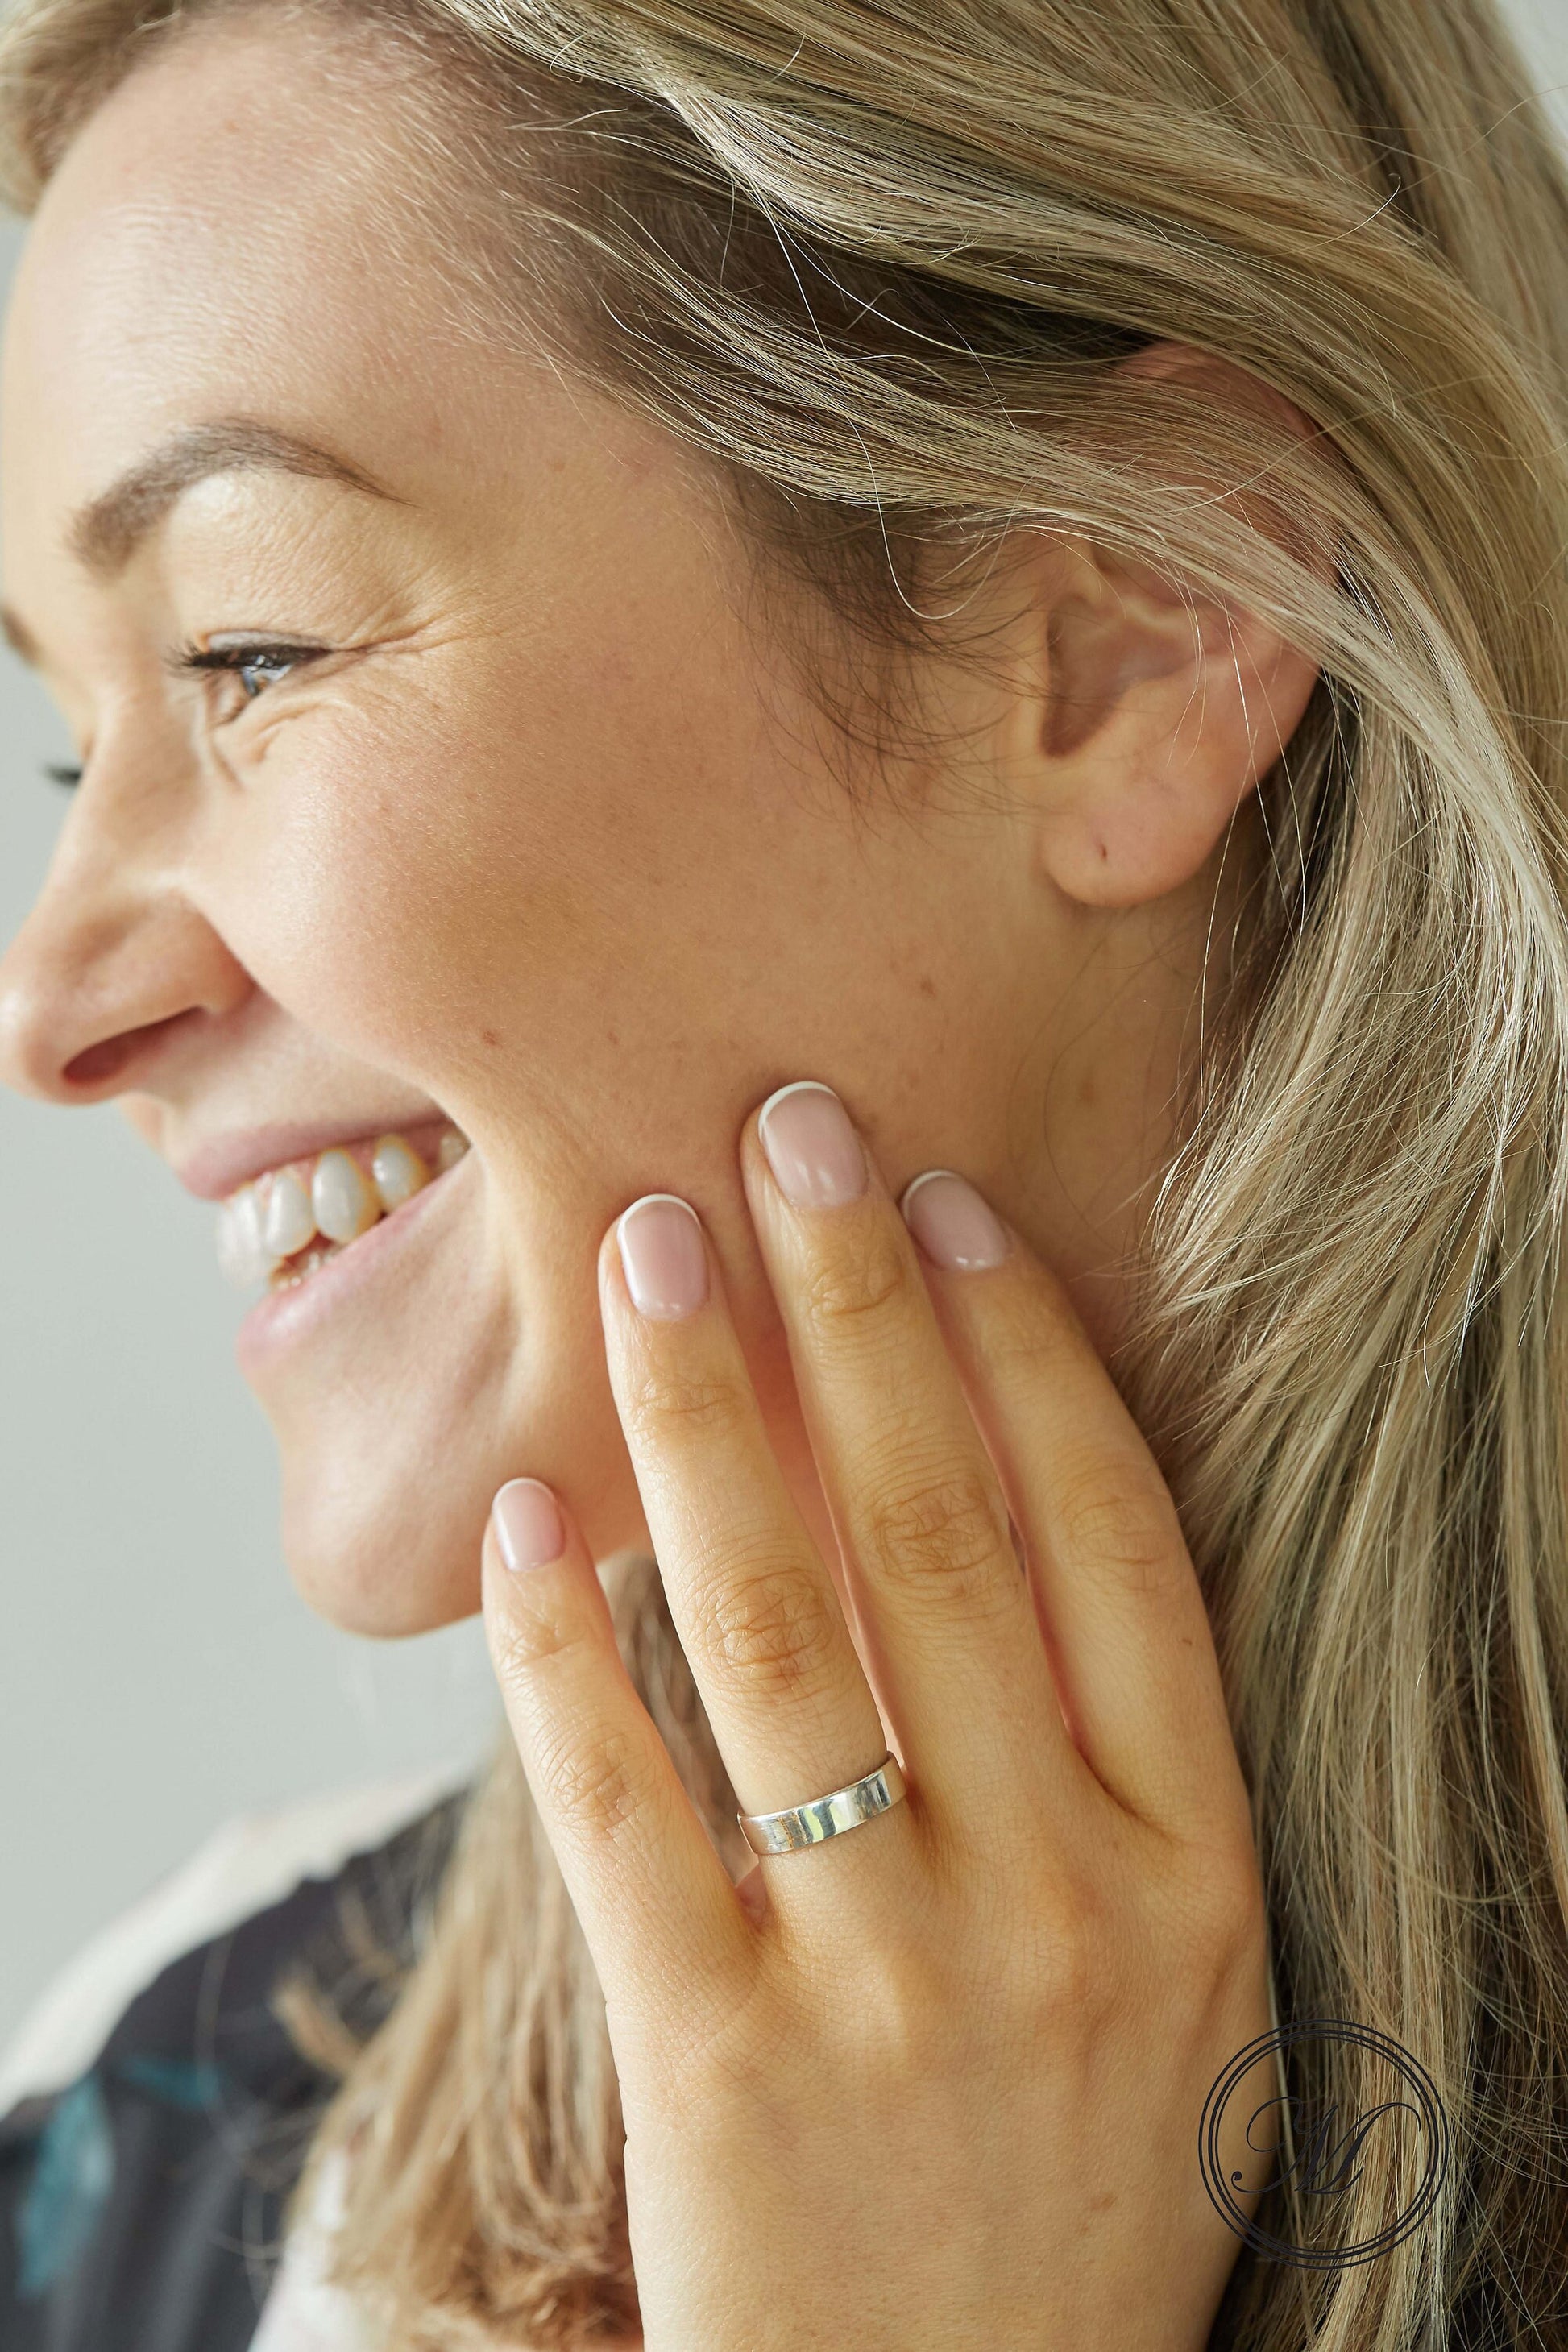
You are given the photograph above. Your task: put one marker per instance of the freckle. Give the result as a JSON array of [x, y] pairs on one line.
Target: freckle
[[490, 1036], [928, 985], [1102, 2204]]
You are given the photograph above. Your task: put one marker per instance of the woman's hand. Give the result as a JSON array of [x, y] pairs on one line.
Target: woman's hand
[[935, 2081]]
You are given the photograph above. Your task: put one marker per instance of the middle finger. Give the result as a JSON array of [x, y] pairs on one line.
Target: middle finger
[[942, 1603]]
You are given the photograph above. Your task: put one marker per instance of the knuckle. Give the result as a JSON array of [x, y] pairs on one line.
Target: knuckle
[[1229, 1902], [769, 1623], [1070, 1970], [944, 1538], [1121, 1525], [1073, 1938], [530, 1641], [663, 1398], [909, 2001], [592, 1782], [1026, 1340], [855, 1285]]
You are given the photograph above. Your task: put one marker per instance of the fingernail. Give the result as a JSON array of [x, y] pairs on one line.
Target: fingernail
[[952, 1224], [662, 1257], [528, 1525], [812, 1151]]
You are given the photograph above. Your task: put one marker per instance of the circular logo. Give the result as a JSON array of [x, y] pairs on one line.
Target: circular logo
[[1319, 2156]]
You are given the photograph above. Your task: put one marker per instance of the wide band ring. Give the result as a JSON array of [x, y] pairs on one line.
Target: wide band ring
[[824, 1817]]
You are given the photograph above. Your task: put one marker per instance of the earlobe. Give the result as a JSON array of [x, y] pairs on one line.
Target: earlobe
[[1163, 714]]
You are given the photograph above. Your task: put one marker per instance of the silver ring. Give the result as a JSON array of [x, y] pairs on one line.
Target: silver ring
[[824, 1817]]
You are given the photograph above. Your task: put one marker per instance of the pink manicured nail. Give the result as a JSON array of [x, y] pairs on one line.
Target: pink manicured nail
[[812, 1149], [951, 1224], [529, 1530], [662, 1255]]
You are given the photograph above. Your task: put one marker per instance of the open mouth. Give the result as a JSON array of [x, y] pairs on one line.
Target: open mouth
[[289, 1222]]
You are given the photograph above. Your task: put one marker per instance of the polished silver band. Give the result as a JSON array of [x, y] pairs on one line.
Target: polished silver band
[[824, 1817]]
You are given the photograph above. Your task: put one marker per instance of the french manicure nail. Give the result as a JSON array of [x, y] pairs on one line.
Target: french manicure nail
[[528, 1525], [957, 1230], [662, 1257], [813, 1150]]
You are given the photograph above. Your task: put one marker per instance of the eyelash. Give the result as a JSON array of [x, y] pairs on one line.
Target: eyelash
[[194, 660], [244, 653]]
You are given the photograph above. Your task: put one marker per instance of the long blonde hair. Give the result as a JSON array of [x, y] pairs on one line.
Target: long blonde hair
[[874, 259]]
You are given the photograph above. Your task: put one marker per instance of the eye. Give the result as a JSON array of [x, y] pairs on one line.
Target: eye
[[62, 773], [257, 662], [261, 670]]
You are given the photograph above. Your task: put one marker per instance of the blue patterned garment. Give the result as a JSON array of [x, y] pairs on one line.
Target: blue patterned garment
[[140, 2207]]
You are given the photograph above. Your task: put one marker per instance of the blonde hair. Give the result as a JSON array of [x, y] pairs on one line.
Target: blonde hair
[[875, 258]]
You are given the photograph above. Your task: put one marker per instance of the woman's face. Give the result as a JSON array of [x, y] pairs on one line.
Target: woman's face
[[519, 828]]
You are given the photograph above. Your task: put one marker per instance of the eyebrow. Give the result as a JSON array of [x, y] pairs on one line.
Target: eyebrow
[[104, 534]]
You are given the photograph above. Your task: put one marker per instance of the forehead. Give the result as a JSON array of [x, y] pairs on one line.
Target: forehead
[[231, 232]]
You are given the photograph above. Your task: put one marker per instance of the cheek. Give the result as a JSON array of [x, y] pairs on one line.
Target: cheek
[[543, 862], [387, 882]]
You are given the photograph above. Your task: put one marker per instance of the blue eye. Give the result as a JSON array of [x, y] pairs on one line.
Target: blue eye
[[254, 663], [262, 670]]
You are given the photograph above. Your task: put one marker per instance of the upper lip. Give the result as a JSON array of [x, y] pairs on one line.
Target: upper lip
[[220, 1167]]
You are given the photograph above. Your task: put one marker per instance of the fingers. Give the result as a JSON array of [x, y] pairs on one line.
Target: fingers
[[916, 1504], [654, 1899], [752, 1598], [942, 1387], [1130, 1634]]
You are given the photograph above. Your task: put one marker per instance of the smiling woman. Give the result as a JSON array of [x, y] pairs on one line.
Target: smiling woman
[[603, 556]]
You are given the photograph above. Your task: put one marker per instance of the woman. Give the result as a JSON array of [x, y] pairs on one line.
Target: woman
[[911, 663]]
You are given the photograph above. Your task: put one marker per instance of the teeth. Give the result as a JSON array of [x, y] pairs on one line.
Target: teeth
[[345, 1204], [289, 1278], [241, 1246], [398, 1170], [228, 1248], [265, 1229], [288, 1220]]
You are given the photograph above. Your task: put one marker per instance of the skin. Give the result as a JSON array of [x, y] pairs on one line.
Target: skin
[[551, 843], [961, 2053]]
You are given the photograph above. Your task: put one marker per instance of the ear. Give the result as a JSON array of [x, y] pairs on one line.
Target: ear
[[1161, 712]]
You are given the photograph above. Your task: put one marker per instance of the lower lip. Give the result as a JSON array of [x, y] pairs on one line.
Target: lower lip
[[282, 1319]]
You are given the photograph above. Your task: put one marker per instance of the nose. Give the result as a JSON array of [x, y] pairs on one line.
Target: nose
[[114, 962]]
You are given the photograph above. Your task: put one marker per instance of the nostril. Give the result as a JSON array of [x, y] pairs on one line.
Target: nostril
[[99, 1062], [96, 1065]]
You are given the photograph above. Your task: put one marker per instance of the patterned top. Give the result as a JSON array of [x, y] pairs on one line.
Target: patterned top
[[152, 2129], [142, 2199]]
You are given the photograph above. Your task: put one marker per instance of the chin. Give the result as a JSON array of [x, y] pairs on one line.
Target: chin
[[383, 1518], [386, 1561]]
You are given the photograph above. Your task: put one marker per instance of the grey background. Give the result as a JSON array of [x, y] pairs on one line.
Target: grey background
[[157, 1672]]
